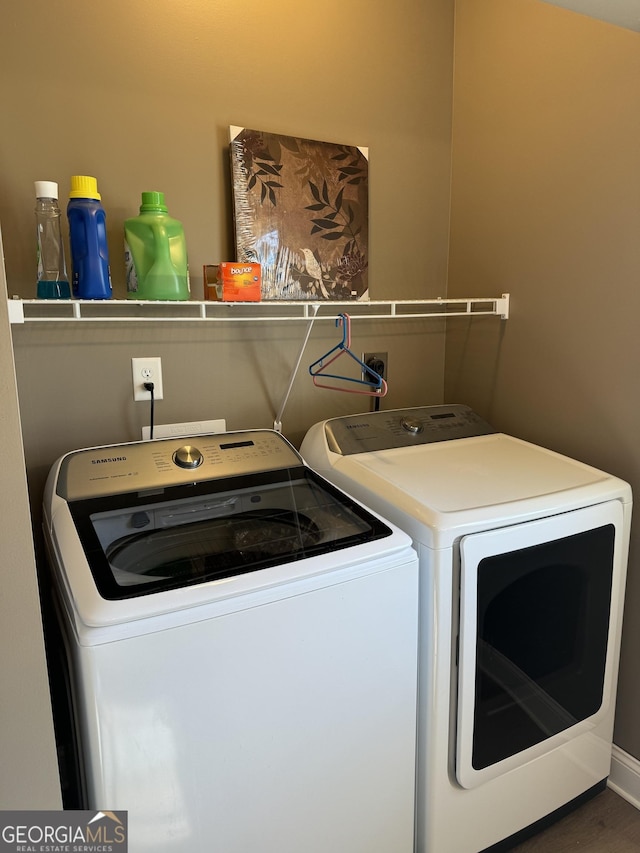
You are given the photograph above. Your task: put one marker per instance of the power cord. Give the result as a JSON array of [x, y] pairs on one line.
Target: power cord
[[377, 365], [149, 386]]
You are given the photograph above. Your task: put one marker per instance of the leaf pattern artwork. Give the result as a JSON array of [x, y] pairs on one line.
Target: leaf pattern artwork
[[301, 210]]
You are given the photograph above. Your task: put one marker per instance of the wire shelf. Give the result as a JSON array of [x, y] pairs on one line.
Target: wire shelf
[[129, 310]]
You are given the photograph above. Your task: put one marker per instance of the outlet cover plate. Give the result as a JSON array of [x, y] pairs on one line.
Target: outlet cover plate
[[147, 370], [191, 428]]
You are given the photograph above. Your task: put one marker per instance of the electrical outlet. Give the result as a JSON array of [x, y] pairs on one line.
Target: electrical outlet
[[377, 361], [146, 370]]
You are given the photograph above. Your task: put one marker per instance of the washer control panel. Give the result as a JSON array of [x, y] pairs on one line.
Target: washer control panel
[[148, 465], [403, 428]]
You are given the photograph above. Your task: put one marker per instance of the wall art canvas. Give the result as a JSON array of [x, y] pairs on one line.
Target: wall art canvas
[[301, 209]]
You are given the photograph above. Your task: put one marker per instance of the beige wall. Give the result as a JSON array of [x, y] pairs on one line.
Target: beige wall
[[29, 775], [141, 95], [546, 206]]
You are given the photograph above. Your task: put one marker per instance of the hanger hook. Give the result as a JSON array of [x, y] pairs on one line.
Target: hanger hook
[[345, 320]]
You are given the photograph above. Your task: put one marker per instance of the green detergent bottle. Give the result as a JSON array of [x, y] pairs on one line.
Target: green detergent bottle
[[155, 253]]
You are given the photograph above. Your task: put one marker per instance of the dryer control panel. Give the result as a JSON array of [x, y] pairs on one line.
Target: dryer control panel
[[403, 428], [148, 465]]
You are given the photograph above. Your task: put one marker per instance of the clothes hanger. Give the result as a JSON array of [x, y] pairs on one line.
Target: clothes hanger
[[373, 385]]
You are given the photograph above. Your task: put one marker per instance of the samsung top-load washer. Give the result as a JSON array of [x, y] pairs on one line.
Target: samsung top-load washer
[[242, 646], [522, 569]]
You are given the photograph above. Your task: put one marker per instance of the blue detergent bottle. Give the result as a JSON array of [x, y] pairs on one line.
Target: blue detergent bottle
[[88, 240]]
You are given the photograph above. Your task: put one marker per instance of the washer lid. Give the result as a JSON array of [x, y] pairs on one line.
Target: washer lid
[[142, 543], [468, 474]]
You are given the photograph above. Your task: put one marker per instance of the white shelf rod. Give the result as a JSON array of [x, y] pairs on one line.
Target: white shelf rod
[[110, 311]]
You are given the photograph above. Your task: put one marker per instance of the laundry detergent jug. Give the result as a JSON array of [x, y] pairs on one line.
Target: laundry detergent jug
[[88, 240], [155, 253]]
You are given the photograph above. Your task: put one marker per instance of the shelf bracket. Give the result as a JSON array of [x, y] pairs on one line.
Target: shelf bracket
[[16, 310], [502, 306]]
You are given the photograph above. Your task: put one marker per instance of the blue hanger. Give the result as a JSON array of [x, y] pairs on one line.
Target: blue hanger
[[373, 384]]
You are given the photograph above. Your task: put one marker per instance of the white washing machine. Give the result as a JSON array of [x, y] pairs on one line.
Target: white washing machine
[[242, 644], [523, 558]]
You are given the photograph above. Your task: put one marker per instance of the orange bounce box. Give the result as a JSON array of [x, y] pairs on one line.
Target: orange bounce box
[[232, 282]]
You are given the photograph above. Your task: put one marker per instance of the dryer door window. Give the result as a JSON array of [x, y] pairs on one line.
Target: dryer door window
[[534, 636]]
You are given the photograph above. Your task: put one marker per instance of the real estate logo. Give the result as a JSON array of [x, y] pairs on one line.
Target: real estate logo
[[63, 832]]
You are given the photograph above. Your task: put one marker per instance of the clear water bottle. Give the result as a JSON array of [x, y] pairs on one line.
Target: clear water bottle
[[53, 282]]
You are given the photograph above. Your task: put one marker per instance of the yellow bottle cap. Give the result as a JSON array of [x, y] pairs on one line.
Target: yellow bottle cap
[[82, 186]]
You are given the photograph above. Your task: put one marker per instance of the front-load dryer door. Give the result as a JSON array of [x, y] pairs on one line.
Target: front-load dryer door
[[536, 636]]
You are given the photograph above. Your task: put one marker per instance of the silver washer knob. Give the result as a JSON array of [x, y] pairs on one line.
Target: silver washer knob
[[188, 457], [411, 425]]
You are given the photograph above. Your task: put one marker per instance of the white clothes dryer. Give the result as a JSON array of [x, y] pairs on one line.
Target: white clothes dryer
[[242, 645], [523, 556]]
